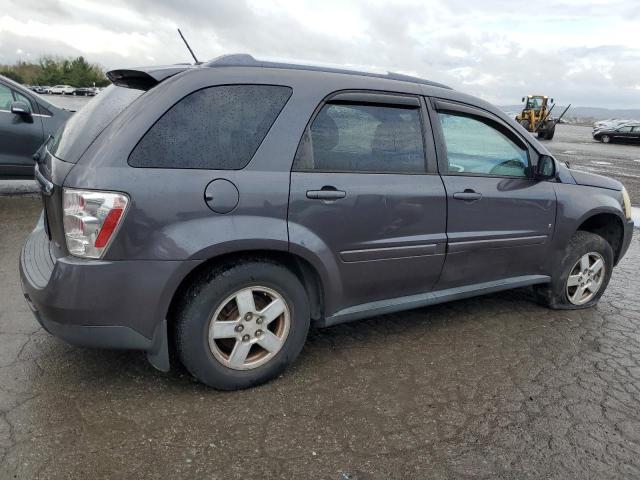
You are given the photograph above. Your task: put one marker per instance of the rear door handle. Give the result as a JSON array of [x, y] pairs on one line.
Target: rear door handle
[[468, 195], [326, 193]]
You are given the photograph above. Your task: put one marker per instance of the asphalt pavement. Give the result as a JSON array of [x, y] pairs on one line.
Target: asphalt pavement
[[491, 387]]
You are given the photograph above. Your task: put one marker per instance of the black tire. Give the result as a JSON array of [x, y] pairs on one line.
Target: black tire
[[203, 298], [525, 124], [554, 294], [605, 139], [542, 135]]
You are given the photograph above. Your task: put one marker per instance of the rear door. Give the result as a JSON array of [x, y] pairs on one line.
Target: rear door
[[365, 197], [500, 219], [20, 136]]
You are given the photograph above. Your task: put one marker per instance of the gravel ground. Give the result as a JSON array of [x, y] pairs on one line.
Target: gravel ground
[[492, 387], [575, 145]]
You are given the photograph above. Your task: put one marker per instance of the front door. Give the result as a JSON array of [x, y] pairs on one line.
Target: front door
[[365, 202], [20, 136], [500, 219]]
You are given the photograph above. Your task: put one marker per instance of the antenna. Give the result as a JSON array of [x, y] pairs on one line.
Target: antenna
[[190, 51]]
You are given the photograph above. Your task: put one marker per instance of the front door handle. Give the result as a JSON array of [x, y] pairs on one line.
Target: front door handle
[[468, 195], [326, 193]]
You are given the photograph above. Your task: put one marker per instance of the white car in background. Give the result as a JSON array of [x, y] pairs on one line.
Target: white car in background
[[63, 90]]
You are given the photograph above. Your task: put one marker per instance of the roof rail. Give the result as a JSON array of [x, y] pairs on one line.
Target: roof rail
[[246, 60]]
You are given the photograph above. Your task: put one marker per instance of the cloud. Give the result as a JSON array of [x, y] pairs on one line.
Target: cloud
[[579, 52]]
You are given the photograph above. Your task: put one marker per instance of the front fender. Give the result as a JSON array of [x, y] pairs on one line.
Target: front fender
[[576, 204]]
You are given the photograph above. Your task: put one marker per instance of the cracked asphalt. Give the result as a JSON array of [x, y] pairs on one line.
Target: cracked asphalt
[[492, 387]]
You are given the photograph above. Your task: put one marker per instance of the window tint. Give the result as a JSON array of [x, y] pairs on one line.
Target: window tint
[[624, 129], [214, 128], [363, 138], [636, 129], [473, 147], [5, 97]]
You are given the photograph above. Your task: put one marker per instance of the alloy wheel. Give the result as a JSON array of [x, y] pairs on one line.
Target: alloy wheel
[[586, 278], [249, 328]]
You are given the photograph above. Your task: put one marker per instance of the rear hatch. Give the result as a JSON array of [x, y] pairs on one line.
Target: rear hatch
[[62, 150]]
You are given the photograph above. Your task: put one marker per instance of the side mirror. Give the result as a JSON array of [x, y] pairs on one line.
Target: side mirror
[[523, 99], [546, 168], [21, 108], [552, 101]]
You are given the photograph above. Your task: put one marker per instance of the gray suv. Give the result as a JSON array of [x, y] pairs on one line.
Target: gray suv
[[221, 209]]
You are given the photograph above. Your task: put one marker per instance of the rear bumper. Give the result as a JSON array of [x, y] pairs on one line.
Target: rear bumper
[[99, 303]]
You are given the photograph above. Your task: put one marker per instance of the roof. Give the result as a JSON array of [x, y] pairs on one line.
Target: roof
[[246, 60]]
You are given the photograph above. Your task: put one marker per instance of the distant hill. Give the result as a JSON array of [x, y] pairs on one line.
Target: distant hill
[[583, 114]]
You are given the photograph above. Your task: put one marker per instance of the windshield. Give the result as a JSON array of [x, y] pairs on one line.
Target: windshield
[[75, 136], [534, 103]]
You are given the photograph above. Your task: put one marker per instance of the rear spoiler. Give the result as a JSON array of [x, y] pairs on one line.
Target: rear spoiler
[[144, 78]]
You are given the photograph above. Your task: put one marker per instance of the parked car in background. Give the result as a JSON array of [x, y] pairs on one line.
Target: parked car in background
[[39, 89], [62, 90], [86, 91], [322, 195], [626, 133], [26, 120]]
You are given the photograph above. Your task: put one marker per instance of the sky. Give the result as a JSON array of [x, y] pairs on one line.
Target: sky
[[584, 52]]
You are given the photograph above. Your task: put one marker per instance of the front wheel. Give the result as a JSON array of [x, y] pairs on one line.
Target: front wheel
[[605, 138], [242, 324], [584, 273]]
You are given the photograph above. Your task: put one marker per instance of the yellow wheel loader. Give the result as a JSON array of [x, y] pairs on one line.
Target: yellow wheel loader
[[536, 116]]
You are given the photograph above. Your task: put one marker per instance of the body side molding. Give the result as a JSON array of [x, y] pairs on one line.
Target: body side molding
[[392, 305]]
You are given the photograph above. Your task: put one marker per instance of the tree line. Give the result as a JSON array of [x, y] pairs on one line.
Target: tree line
[[76, 72]]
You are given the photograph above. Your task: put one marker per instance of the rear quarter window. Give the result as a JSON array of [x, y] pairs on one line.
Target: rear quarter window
[[216, 128]]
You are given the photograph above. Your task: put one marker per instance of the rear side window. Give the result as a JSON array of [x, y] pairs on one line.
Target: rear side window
[[215, 128], [363, 138], [476, 148], [75, 136]]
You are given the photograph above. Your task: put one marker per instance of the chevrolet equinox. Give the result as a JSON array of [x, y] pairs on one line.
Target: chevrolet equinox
[[221, 209]]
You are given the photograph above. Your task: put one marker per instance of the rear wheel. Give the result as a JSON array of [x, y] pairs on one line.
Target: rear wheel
[[242, 324], [584, 273]]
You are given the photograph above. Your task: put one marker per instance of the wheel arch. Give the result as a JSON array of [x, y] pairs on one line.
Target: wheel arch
[[609, 226], [302, 268]]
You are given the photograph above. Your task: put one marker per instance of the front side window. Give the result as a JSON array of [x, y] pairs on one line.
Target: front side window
[[363, 138], [624, 129], [215, 128], [476, 148]]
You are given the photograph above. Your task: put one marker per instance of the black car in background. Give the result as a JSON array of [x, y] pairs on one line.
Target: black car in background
[[26, 120], [627, 133]]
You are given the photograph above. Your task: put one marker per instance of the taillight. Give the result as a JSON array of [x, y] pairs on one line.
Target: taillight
[[90, 220]]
